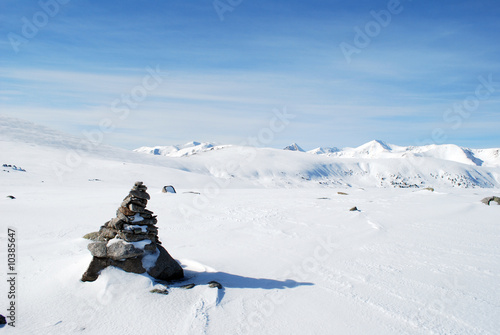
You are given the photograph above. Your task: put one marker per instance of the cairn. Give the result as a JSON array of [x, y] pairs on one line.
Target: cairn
[[130, 242]]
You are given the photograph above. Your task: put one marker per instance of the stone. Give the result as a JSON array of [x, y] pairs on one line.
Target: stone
[[121, 250], [140, 194], [431, 189], [131, 200], [354, 209], [92, 236], [136, 208], [95, 267], [214, 284], [146, 222], [133, 265], [168, 189], [124, 217], [11, 197], [3, 321], [115, 223], [145, 215], [188, 286], [131, 237], [126, 211], [342, 193], [159, 291], [97, 249], [166, 268], [150, 247], [488, 200], [107, 233], [139, 186]]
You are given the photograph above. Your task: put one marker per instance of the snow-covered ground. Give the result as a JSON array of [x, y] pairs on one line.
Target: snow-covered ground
[[290, 255]]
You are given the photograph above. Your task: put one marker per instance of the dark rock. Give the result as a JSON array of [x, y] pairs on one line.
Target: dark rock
[[152, 230], [97, 249], [3, 321], [214, 284], [11, 197], [140, 194], [136, 208], [147, 212], [139, 186], [159, 291], [95, 268], [146, 222], [131, 237], [342, 193], [150, 247], [354, 209], [131, 200], [166, 268], [188, 286], [120, 250], [147, 215], [133, 265]]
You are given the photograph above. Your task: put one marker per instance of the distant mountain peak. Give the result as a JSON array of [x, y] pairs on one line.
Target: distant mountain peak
[[293, 147], [324, 150]]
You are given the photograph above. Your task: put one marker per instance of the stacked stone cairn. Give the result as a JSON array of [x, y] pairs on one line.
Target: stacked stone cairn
[[130, 242]]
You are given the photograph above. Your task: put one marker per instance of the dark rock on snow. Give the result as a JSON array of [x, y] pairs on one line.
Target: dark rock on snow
[[489, 200], [214, 284]]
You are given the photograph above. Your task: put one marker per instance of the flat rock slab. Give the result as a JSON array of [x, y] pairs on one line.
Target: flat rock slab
[[117, 251]]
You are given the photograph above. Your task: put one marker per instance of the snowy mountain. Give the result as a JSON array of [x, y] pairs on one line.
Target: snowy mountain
[[190, 148], [293, 147], [374, 164], [448, 152], [324, 151]]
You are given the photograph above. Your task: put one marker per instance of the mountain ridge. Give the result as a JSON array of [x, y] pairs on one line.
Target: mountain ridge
[[373, 164]]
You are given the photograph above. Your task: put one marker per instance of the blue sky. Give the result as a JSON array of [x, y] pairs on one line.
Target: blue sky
[[413, 78]]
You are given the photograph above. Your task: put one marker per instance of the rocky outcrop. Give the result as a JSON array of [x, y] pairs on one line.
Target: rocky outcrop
[[489, 200], [130, 242]]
